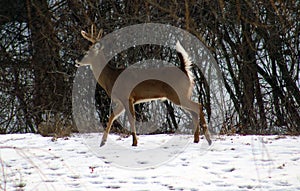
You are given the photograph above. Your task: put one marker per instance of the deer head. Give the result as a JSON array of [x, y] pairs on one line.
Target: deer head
[[95, 49]]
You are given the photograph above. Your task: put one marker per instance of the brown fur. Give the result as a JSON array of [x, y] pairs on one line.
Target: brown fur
[[178, 89]]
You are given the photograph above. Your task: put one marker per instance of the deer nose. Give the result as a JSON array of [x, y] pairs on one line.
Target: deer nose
[[77, 64], [77, 61]]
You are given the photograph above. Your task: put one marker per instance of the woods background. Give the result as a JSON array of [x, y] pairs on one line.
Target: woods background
[[256, 45]]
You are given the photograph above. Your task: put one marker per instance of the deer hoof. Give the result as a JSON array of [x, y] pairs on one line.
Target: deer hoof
[[134, 144], [102, 143], [209, 142], [196, 141]]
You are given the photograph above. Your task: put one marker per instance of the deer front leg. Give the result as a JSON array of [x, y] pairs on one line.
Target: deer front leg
[[131, 118], [116, 113]]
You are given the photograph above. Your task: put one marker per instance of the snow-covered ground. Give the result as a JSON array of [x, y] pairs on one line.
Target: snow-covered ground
[[32, 162]]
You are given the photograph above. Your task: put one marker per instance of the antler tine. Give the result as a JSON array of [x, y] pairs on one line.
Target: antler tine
[[99, 34], [87, 36], [91, 36], [93, 29]]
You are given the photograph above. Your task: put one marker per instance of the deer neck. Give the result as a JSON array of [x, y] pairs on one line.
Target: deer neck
[[106, 76]]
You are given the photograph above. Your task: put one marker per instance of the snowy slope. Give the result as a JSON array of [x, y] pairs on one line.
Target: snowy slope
[[32, 162]]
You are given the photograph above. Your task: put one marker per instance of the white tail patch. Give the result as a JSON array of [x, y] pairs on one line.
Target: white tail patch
[[186, 59]]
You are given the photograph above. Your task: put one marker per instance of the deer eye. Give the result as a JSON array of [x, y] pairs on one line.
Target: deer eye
[[98, 45]]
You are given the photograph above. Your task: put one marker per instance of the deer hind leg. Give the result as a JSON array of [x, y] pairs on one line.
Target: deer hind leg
[[196, 111], [131, 118], [192, 107], [204, 125], [116, 113]]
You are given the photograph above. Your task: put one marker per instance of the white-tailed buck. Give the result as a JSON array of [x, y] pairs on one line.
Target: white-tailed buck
[[152, 89]]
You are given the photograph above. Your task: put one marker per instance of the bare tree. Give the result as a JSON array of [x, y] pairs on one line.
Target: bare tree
[[256, 45]]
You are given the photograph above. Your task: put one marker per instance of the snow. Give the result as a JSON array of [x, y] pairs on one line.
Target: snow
[[33, 162]]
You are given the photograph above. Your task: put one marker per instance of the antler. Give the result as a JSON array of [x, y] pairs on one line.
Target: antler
[[91, 36]]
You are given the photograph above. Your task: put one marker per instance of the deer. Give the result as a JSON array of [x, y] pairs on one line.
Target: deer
[[151, 89]]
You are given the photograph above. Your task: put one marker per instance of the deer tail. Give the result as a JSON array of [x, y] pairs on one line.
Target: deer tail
[[185, 62]]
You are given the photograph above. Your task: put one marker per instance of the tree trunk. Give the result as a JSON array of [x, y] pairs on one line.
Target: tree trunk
[[48, 83]]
